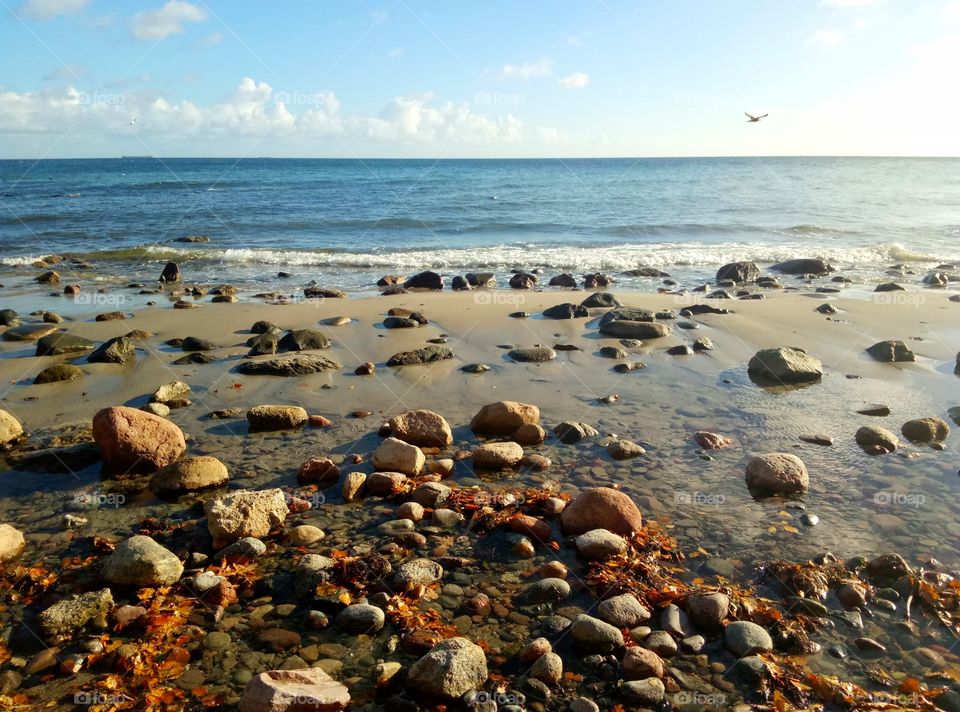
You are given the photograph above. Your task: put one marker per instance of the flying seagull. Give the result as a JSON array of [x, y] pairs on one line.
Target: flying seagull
[[133, 121], [751, 119]]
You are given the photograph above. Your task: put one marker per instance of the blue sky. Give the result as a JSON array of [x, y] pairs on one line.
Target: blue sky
[[410, 78]]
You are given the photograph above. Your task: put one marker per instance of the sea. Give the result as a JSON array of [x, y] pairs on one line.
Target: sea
[[345, 223]]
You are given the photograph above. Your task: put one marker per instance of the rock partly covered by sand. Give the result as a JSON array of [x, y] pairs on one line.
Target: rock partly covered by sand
[[307, 690], [601, 508], [12, 543], [131, 440], [785, 364], [421, 427], [140, 561], [777, 473], [504, 418], [245, 513], [451, 668], [296, 364], [891, 352], [428, 354], [189, 474]]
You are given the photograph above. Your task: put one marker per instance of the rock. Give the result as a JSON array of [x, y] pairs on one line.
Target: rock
[[601, 508], [131, 440], [384, 484], [600, 545], [873, 438], [600, 300], [475, 368], [424, 280], [245, 513], [417, 572], [785, 365], [395, 455], [303, 340], [641, 664], [12, 543], [264, 344], [712, 441], [353, 483], [140, 561], [452, 668], [522, 280], [170, 391], [826, 309], [361, 619], [529, 434], [623, 611], [8, 317], [891, 352], [29, 332], [548, 590], [708, 610], [739, 272], [563, 280], [889, 287], [504, 418], [459, 284], [777, 473], [535, 354], [804, 266], [307, 690], [297, 364], [595, 280], [170, 273], [63, 343], [117, 350], [50, 277], [745, 638], [624, 328], [67, 617], [263, 418], [190, 474], [594, 635], [58, 372], [316, 470], [365, 369], [925, 430], [400, 322], [428, 354], [548, 668], [613, 352], [643, 693], [566, 311], [624, 450], [323, 293], [569, 432], [497, 456], [421, 427]]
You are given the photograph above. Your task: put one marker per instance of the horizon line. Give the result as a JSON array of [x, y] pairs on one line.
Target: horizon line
[[472, 158]]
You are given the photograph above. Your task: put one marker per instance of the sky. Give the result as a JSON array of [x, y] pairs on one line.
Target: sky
[[411, 78]]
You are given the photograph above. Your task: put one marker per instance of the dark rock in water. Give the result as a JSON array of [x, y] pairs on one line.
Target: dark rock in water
[[936, 279], [29, 332], [303, 340], [428, 354], [389, 280], [264, 344], [365, 369], [563, 280], [569, 432], [600, 300], [566, 311], [535, 354], [118, 350], [195, 343], [891, 352], [595, 280], [817, 439], [58, 344], [283, 275], [171, 273], [645, 272], [826, 309], [323, 293], [8, 317], [566, 347], [459, 284], [424, 280], [522, 280], [400, 322], [889, 287], [193, 238], [827, 290], [391, 291], [680, 350], [804, 266], [739, 272], [627, 314], [635, 329], [481, 279], [263, 327], [58, 372], [111, 316], [50, 277], [194, 357], [628, 367], [720, 294], [67, 459], [769, 283], [702, 309], [475, 368], [687, 325], [298, 364], [518, 315], [784, 365]]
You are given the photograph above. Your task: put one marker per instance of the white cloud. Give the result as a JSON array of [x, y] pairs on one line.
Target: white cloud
[[529, 70], [214, 38], [67, 71], [49, 9], [827, 38], [846, 4], [396, 53], [577, 80], [168, 20]]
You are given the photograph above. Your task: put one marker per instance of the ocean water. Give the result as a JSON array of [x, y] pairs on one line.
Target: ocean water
[[345, 223]]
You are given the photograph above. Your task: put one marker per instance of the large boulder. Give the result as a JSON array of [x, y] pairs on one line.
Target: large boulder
[[739, 272], [566, 311], [68, 616], [140, 561], [891, 352], [132, 440], [785, 365], [12, 543], [925, 430], [303, 340], [395, 455], [245, 513], [63, 343], [189, 474], [523, 280], [170, 273], [777, 473], [421, 427], [804, 266], [10, 428], [628, 329], [424, 280], [295, 364], [504, 417], [601, 508], [427, 354], [451, 668], [117, 350], [307, 690]]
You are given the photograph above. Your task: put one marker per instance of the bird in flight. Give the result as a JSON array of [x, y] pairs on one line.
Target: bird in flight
[[133, 121], [751, 119]]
